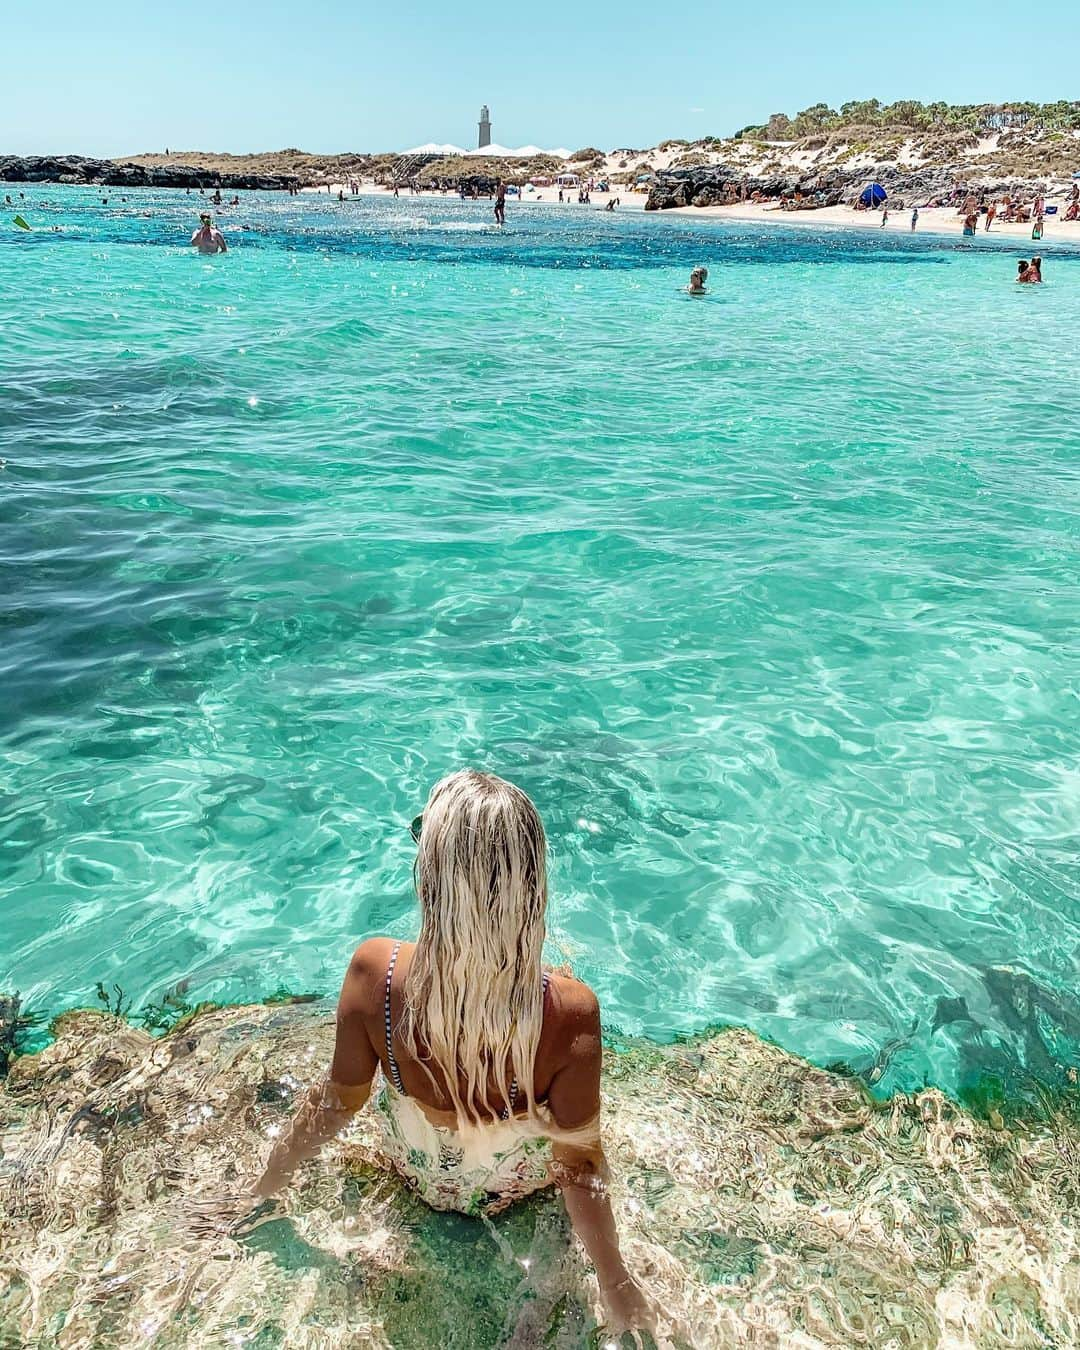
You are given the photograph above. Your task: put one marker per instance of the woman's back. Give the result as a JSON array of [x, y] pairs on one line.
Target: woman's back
[[373, 1002]]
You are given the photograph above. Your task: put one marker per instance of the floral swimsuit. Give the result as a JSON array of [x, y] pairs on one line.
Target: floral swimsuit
[[481, 1172]]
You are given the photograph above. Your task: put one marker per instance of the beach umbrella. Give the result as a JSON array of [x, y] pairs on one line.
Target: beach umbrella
[[873, 195]]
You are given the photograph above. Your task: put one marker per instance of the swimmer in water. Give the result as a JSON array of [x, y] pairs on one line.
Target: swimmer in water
[[208, 238], [698, 277]]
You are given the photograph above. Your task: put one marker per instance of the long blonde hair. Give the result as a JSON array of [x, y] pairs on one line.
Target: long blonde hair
[[474, 993]]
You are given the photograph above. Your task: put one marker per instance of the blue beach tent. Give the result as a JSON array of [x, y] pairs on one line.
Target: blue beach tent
[[873, 195]]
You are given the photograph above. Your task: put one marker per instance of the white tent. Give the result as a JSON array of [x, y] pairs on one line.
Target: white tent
[[432, 149], [522, 152], [492, 151]]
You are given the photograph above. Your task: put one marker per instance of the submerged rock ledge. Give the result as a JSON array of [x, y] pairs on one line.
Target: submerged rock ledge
[[764, 1203]]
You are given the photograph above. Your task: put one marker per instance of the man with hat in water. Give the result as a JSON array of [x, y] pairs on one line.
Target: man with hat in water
[[208, 238]]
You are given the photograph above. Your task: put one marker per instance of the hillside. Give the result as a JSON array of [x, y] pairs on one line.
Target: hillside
[[977, 144], [972, 143]]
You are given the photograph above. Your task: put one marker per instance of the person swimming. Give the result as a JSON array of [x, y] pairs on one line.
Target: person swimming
[[208, 238], [1029, 273], [698, 277], [489, 1065]]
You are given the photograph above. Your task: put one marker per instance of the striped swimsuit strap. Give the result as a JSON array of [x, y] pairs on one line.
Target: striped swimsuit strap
[[391, 1058]]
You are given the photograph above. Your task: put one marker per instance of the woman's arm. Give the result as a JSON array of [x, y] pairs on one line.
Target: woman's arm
[[580, 1167], [331, 1104]]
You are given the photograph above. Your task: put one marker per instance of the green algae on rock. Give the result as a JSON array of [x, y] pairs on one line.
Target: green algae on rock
[[764, 1203]]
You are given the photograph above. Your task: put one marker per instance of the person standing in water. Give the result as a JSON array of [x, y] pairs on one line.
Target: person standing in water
[[208, 238], [490, 1065], [698, 277], [500, 203]]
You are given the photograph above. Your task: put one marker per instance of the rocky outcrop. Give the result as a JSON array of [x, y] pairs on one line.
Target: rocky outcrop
[[761, 1201], [75, 169], [9, 1026], [715, 184]]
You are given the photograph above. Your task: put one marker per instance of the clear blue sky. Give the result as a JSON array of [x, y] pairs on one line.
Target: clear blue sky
[[120, 77]]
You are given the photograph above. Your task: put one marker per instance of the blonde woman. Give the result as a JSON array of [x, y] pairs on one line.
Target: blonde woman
[[491, 1067]]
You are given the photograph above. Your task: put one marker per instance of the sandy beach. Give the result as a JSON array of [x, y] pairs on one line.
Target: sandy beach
[[932, 220], [939, 220]]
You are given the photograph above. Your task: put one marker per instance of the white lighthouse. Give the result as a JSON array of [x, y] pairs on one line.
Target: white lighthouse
[[485, 128]]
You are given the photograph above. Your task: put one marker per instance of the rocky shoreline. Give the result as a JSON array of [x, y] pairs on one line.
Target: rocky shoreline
[[722, 184], [762, 1201], [80, 171]]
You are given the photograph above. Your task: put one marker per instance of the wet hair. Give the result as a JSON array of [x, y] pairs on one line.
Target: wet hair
[[702, 272], [474, 1003], [1021, 264]]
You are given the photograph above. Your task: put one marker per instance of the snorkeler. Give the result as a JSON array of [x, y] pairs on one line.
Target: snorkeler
[[208, 238]]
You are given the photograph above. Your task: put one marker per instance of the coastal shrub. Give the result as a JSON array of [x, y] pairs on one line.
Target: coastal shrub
[[589, 152]]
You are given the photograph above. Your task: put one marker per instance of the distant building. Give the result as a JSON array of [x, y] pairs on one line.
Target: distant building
[[485, 128]]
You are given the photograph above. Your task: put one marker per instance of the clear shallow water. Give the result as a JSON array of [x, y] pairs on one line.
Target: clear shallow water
[[769, 599]]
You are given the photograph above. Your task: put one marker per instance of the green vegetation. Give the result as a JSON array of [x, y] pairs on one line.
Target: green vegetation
[[911, 115]]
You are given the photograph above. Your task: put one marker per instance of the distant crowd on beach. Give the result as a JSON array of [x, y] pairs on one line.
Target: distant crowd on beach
[[971, 207]]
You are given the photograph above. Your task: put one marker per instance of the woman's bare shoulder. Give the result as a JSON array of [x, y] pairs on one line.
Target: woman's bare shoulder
[[365, 979], [573, 1003]]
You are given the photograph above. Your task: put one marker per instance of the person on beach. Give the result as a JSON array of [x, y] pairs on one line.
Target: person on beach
[[698, 278], [208, 238], [490, 1065], [914, 218], [991, 212], [1037, 228], [970, 221], [884, 216], [500, 203]]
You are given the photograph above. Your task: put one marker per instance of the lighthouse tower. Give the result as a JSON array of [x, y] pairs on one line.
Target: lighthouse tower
[[485, 128]]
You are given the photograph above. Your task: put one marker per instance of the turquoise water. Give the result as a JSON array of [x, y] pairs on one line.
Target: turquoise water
[[769, 599]]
